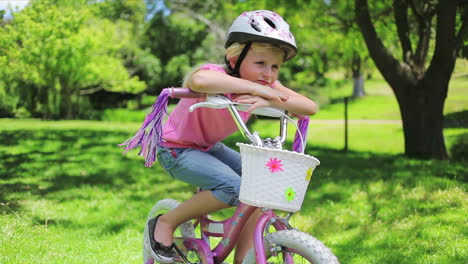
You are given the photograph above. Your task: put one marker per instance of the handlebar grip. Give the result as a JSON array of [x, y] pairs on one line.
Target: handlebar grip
[[180, 92]]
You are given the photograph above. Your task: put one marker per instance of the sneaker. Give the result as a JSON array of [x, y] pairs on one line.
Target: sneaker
[[159, 252]]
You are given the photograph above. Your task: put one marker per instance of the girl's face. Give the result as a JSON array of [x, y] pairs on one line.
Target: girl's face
[[261, 66]]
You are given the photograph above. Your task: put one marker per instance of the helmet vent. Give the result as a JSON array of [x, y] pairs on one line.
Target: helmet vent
[[255, 25], [269, 22]]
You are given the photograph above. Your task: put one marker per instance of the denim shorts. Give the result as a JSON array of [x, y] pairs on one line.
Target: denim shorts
[[217, 169]]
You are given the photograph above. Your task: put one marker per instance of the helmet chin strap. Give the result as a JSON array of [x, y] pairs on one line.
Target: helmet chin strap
[[235, 72]]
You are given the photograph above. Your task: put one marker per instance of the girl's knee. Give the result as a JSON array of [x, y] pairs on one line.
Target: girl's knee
[[228, 194]]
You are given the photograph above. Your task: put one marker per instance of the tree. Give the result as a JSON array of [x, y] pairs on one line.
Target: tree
[[335, 22], [55, 52], [173, 39], [420, 91]]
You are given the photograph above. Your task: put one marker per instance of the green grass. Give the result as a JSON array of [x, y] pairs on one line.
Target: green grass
[[380, 102], [68, 195]]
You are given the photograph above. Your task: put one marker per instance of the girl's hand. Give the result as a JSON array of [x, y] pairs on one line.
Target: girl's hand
[[269, 93], [255, 101]]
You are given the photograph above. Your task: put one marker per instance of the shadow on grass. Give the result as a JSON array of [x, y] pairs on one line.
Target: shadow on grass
[[41, 162], [44, 161], [456, 119]]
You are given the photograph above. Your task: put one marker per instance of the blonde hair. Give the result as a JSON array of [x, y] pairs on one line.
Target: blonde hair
[[234, 51], [236, 48]]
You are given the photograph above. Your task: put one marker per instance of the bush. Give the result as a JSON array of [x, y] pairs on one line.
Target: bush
[[459, 149], [456, 119], [116, 115], [22, 113]]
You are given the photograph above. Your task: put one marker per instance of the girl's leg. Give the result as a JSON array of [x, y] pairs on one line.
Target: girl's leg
[[201, 203], [216, 172], [246, 239]]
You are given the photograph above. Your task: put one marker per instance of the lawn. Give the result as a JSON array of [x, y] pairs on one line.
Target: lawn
[[68, 195], [381, 104]]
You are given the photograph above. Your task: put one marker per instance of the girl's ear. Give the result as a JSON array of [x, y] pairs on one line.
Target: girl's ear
[[232, 62]]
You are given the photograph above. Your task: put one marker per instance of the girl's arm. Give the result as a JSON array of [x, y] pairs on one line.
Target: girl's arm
[[296, 104], [209, 81]]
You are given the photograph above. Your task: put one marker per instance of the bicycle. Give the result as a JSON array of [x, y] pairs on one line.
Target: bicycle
[[285, 244]]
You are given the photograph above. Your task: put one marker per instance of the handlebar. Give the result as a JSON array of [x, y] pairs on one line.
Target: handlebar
[[178, 92], [218, 101]]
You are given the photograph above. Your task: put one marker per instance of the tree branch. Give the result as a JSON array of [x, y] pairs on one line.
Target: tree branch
[[463, 31], [400, 10], [91, 90], [219, 33], [445, 51], [393, 72], [424, 33]]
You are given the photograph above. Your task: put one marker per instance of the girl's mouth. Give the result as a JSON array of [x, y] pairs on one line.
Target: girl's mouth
[[263, 82]]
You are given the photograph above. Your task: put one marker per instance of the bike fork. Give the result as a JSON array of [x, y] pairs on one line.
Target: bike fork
[[268, 217]]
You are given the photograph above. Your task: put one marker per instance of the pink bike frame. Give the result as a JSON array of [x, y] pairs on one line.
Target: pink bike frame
[[232, 228]]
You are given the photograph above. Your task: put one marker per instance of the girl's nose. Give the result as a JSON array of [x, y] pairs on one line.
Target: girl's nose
[[267, 72]]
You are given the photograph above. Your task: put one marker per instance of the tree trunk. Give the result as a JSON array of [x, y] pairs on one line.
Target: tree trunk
[[358, 77], [66, 103], [358, 85], [422, 116]]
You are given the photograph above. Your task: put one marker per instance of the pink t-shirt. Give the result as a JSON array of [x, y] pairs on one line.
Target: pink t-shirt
[[203, 127]]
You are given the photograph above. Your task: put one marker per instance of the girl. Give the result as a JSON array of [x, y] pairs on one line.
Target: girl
[[258, 43]]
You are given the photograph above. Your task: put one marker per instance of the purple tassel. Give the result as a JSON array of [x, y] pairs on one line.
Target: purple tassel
[[151, 139], [303, 124]]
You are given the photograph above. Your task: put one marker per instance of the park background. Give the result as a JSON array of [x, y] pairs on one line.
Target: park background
[[77, 77]]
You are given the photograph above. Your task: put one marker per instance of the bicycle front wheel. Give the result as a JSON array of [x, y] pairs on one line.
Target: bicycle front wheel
[[292, 246]]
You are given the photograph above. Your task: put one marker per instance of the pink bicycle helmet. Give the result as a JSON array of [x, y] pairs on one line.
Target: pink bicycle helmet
[[263, 26]]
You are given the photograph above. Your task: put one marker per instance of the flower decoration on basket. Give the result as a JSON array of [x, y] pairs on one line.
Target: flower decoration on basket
[[309, 174], [290, 194], [274, 165]]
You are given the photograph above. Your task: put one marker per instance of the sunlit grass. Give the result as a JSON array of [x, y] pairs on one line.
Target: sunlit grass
[[380, 103]]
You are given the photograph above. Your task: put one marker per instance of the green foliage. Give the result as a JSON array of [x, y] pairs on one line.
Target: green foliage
[[53, 52], [178, 66], [127, 10], [119, 115], [180, 35], [145, 65], [173, 40]]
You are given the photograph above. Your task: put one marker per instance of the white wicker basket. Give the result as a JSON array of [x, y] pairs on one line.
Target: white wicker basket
[[275, 179]]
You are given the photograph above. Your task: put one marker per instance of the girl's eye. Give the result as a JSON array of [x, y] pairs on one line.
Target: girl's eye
[[275, 67], [260, 62]]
